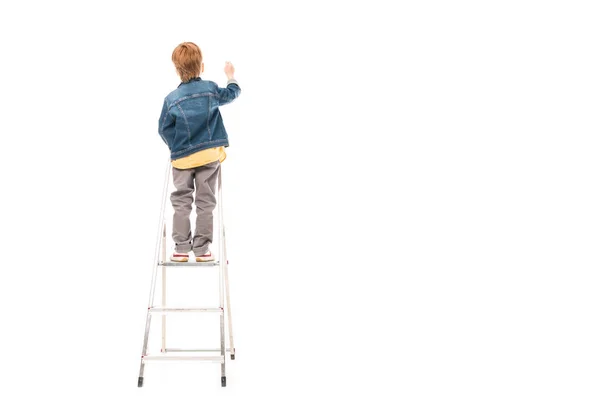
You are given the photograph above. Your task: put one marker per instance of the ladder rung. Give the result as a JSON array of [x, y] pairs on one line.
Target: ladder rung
[[219, 359], [189, 264], [194, 350], [161, 310]]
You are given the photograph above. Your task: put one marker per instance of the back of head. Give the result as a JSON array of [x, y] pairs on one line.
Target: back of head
[[187, 58]]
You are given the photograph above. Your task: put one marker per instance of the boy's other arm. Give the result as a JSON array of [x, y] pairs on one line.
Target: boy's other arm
[[166, 124], [233, 90]]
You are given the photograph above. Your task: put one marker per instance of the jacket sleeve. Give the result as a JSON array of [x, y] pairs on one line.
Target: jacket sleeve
[[230, 93], [166, 124]]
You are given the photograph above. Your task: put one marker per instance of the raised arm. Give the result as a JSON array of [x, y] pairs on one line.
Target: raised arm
[[233, 90]]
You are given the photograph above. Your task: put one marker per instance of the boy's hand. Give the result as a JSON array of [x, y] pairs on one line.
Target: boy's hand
[[229, 70]]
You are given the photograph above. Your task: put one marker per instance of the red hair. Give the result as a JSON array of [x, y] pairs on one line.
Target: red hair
[[187, 58]]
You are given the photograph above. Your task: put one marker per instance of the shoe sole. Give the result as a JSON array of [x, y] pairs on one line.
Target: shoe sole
[[180, 260], [198, 259]]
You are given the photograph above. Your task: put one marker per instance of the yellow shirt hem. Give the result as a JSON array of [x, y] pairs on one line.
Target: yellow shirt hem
[[200, 158]]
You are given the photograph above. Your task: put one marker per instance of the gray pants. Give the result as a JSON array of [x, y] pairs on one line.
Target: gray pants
[[204, 180]]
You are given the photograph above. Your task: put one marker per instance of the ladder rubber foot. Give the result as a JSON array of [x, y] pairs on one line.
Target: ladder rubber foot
[[223, 381], [140, 381], [233, 356]]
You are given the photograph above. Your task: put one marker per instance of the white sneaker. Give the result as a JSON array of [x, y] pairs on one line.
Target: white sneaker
[[206, 257], [179, 257]]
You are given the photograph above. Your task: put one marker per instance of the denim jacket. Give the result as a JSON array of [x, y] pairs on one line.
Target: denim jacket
[[190, 120]]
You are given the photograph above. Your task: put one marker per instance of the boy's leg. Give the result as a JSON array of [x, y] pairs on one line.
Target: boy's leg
[[206, 200], [182, 198]]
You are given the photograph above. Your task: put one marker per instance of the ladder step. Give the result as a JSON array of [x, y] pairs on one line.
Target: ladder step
[[167, 350], [219, 359], [161, 310], [189, 264]]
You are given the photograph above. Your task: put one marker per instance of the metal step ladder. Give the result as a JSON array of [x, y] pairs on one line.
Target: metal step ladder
[[175, 354]]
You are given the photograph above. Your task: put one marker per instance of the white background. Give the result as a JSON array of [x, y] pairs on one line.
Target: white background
[[411, 197]]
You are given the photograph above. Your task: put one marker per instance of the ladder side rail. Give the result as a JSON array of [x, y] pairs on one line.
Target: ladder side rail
[[227, 298], [222, 262], [155, 271]]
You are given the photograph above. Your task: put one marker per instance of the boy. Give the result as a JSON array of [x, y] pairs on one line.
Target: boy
[[191, 125]]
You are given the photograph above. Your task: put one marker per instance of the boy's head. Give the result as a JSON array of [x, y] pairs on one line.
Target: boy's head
[[187, 58]]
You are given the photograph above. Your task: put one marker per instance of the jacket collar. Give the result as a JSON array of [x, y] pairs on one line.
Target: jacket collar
[[191, 80]]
